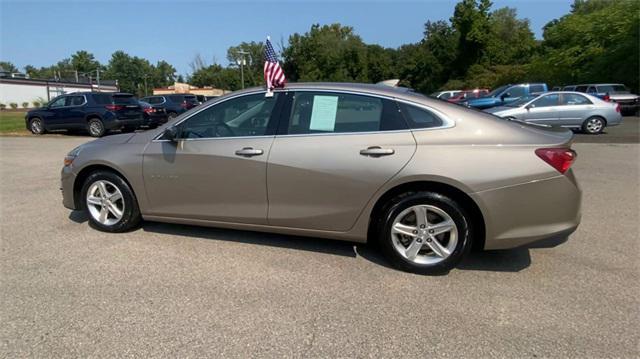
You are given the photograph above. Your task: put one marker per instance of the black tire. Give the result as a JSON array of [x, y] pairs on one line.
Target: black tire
[[95, 127], [454, 210], [172, 115], [594, 125], [130, 216], [36, 126]]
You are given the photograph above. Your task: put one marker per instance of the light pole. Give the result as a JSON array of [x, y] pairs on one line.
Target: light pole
[[241, 61], [97, 71]]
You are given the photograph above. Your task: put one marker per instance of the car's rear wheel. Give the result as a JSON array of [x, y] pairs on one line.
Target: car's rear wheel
[[95, 127], [36, 126], [424, 232], [593, 125], [110, 202]]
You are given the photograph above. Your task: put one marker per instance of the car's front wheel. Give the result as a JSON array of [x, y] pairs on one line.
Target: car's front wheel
[[95, 127], [424, 232], [36, 126], [110, 202]]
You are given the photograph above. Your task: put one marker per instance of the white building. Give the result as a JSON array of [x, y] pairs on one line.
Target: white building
[[15, 90]]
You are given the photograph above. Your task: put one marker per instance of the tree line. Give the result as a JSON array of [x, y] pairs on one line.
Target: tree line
[[597, 41]]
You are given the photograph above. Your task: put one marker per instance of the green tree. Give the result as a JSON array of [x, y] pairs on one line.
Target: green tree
[[8, 66], [326, 53], [253, 70], [83, 61], [471, 22]]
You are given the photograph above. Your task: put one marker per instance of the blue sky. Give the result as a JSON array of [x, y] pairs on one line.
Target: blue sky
[[41, 33]]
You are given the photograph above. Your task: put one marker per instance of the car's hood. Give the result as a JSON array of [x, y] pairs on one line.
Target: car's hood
[[112, 140], [499, 109]]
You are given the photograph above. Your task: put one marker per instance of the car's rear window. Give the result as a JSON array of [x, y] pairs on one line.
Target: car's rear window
[[101, 99], [611, 88], [125, 100]]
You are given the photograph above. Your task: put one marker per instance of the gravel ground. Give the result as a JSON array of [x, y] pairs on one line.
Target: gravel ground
[[180, 291]]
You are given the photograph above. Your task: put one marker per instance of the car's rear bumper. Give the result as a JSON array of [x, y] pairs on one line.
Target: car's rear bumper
[[67, 179], [122, 122], [531, 212]]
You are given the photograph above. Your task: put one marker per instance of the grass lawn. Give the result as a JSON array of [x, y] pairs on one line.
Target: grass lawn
[[12, 122]]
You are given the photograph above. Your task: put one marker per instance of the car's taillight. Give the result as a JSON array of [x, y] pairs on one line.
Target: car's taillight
[[606, 97], [114, 107], [559, 158], [149, 110], [184, 104], [617, 107]]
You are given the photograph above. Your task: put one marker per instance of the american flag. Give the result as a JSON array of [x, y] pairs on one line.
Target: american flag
[[273, 74]]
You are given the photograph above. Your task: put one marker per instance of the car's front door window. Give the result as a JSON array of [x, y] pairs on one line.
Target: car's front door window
[[244, 116], [59, 102], [546, 101]]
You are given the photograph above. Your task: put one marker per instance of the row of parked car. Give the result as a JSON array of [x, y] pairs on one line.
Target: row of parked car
[[588, 107], [101, 112]]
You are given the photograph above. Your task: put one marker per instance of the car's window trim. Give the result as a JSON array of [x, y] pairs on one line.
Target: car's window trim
[[447, 122]]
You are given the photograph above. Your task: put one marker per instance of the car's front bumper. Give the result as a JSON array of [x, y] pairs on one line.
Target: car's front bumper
[[530, 212], [67, 180]]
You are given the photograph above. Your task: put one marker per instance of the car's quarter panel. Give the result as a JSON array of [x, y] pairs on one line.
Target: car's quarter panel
[[205, 179], [323, 182]]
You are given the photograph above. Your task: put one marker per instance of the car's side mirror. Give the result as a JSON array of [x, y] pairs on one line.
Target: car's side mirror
[[171, 134], [529, 107]]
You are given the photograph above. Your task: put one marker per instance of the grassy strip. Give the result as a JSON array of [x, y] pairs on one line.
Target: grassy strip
[[12, 122]]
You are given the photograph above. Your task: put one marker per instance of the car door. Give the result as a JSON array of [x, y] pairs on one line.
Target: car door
[[54, 115], [573, 109], [74, 112], [332, 153], [512, 94], [543, 110], [217, 168]]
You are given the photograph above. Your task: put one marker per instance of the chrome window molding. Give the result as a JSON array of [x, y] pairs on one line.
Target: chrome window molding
[[447, 122]]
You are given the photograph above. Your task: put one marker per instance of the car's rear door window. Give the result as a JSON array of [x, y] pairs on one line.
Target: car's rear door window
[[574, 99], [332, 112], [75, 100], [536, 88]]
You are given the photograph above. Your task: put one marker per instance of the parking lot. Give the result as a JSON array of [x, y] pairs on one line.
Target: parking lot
[[182, 291]]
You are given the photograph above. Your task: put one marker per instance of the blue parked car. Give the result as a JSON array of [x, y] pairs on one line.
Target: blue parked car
[[95, 112], [506, 94]]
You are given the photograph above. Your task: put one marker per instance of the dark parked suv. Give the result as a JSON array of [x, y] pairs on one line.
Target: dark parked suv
[[95, 112], [173, 104]]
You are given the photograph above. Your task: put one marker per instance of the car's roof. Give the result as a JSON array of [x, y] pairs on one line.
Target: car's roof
[[600, 84]]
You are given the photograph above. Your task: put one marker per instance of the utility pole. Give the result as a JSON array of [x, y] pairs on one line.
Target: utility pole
[[145, 84], [98, 78], [242, 62], [76, 72]]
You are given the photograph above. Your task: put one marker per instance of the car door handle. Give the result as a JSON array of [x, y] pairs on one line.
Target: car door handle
[[377, 151], [249, 152]]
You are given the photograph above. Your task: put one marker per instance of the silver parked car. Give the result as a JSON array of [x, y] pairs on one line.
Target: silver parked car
[[563, 108], [423, 178]]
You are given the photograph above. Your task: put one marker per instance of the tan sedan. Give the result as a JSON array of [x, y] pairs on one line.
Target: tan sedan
[[425, 179]]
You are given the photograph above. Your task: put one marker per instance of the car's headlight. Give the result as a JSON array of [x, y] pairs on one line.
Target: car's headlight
[[68, 159]]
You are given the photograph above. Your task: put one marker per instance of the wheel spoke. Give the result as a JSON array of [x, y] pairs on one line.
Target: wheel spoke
[[413, 249], [400, 228], [421, 216], [114, 210], [115, 196], [437, 248], [104, 213], [103, 190], [442, 227], [94, 200]]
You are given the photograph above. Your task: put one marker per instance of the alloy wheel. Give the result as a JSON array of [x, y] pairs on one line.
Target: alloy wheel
[[424, 234], [105, 202], [595, 125], [36, 126], [95, 128]]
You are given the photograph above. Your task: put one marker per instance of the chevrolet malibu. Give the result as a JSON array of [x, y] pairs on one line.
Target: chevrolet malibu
[[424, 179]]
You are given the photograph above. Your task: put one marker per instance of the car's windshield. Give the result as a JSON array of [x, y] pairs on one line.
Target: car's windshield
[[497, 91], [612, 88], [521, 101]]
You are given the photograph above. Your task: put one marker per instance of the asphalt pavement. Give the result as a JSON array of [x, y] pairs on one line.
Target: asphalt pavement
[[166, 290]]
